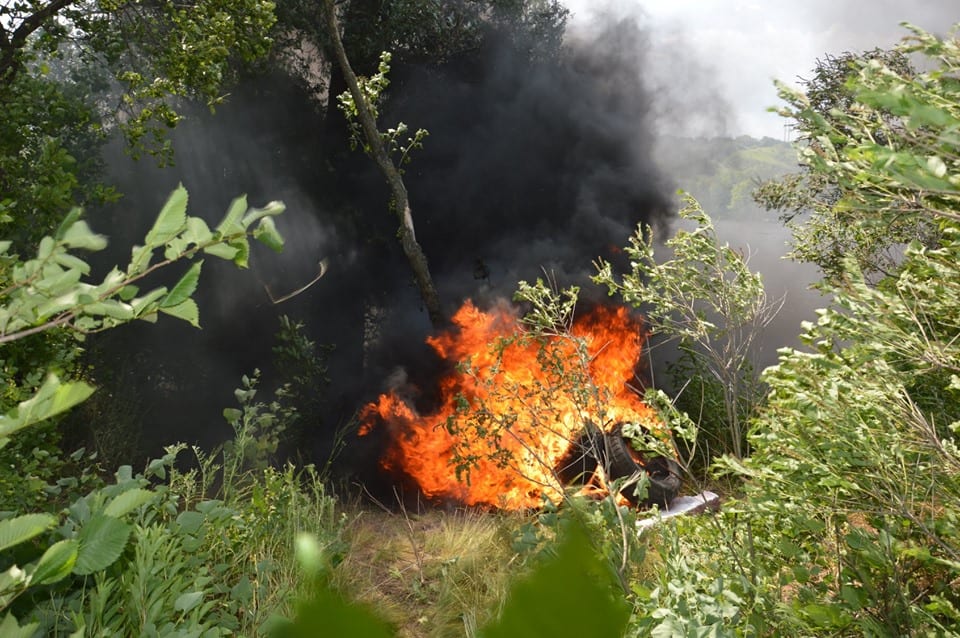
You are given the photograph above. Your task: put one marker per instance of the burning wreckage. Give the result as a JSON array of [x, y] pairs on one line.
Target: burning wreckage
[[523, 420]]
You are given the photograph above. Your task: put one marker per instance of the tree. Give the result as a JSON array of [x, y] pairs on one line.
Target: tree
[[376, 147], [826, 229], [72, 70], [419, 32]]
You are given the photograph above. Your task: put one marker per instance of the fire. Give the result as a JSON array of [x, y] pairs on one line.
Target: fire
[[509, 412]]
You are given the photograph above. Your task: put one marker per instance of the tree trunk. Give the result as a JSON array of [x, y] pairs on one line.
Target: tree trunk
[[401, 202]]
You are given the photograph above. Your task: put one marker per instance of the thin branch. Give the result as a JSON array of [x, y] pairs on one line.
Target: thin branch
[[35, 21], [320, 274], [401, 201]]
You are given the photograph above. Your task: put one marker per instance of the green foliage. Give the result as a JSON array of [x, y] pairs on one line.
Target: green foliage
[[257, 429], [325, 611], [151, 553], [89, 537], [571, 592], [51, 399], [848, 523], [575, 579], [154, 51], [302, 369], [419, 30], [878, 145], [47, 150], [48, 292], [32, 463], [722, 173], [373, 89], [866, 436], [712, 576], [70, 72], [221, 566], [186, 51], [702, 398], [708, 300]]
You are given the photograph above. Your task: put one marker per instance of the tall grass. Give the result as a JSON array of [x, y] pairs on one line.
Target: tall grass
[[435, 574]]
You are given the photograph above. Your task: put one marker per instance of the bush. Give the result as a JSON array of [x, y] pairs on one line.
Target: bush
[[849, 520]]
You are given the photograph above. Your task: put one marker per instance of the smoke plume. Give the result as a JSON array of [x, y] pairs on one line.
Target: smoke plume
[[531, 166]]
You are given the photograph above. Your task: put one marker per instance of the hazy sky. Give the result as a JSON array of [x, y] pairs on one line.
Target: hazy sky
[[741, 45]]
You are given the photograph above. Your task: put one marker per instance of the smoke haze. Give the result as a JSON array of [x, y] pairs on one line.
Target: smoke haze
[[744, 45], [530, 167]]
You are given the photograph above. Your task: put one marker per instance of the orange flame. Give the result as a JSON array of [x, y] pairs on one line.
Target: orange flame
[[511, 414]]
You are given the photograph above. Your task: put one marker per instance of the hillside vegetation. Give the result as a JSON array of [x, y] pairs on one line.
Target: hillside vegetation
[[722, 173]]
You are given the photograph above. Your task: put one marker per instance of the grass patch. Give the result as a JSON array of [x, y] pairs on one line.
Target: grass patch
[[433, 574]]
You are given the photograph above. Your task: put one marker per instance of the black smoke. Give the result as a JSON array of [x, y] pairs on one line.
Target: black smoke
[[531, 166]]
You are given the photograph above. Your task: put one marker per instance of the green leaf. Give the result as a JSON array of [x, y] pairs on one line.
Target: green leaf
[[230, 224], [128, 501], [20, 529], [10, 628], [68, 395], [928, 115], [187, 310], [254, 214], [51, 399], [242, 592], [71, 262], [110, 308], [266, 233], [184, 288], [221, 250], [57, 562], [79, 235], [128, 292], [243, 251], [190, 522], [171, 220], [68, 221], [853, 596], [826, 616], [326, 613], [102, 540], [185, 602], [146, 302], [45, 249], [569, 596], [197, 232], [61, 283], [140, 257]]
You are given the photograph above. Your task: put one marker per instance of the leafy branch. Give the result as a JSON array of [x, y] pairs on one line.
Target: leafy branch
[[707, 299], [364, 111], [47, 292], [373, 89]]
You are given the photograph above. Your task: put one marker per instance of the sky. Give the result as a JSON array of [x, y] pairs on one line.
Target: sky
[[732, 50]]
